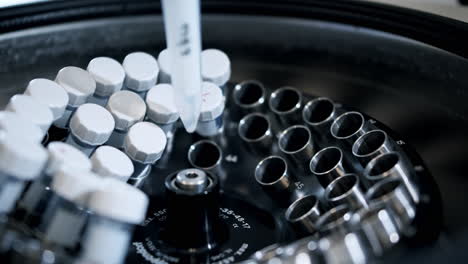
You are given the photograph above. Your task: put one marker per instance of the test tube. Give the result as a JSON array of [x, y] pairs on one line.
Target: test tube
[[109, 76], [144, 144], [215, 67], [62, 156], [66, 215], [162, 109], [31, 109], [164, 67], [50, 94], [110, 162], [90, 126], [141, 71], [210, 122], [22, 161], [79, 85], [127, 108], [20, 126], [117, 209]]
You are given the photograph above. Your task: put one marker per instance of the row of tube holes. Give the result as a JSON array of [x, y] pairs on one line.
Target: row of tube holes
[[361, 169]]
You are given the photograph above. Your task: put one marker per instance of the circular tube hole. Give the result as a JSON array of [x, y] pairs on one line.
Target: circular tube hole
[[340, 187], [301, 208], [204, 154], [253, 127], [334, 217], [285, 100], [347, 125], [318, 111], [369, 143], [270, 170], [381, 164], [294, 139], [326, 160], [249, 93], [382, 189]]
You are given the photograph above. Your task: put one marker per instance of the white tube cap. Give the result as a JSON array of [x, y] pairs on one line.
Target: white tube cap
[[108, 74], [12, 123], [21, 158], [212, 102], [120, 201], [161, 104], [141, 71], [145, 142], [31, 109], [78, 83], [92, 124], [50, 94], [215, 66], [111, 162], [127, 108], [76, 186], [63, 156], [164, 66]]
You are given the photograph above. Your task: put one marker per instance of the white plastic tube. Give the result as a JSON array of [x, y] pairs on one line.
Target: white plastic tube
[[183, 38]]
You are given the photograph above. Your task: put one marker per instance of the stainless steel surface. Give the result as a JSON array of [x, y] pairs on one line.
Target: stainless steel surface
[[391, 165], [346, 190], [335, 220], [207, 155], [255, 130], [286, 104], [192, 180], [379, 228], [341, 248], [319, 114], [392, 194], [372, 144], [273, 173], [297, 144], [349, 127], [304, 213], [328, 164], [248, 96]]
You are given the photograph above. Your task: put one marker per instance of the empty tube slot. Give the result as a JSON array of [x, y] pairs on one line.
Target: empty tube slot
[[254, 129], [285, 100], [392, 194], [334, 220], [391, 165], [318, 111], [286, 103], [327, 165], [249, 94], [296, 142], [378, 226], [346, 190], [272, 173], [204, 154], [371, 144], [348, 126], [303, 213]]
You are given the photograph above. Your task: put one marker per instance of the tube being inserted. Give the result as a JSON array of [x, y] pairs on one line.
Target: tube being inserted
[[183, 38]]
